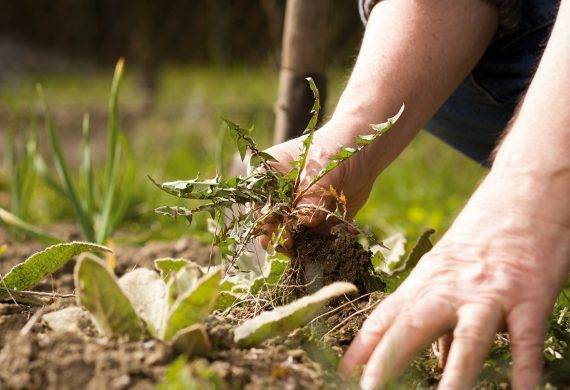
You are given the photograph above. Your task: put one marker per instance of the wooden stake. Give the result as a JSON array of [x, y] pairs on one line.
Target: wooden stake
[[303, 55]]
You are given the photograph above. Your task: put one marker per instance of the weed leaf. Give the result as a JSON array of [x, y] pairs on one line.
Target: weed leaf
[[423, 245], [30, 272], [391, 258], [147, 292], [299, 164], [192, 341], [99, 293], [167, 266], [194, 305], [362, 141], [273, 270], [283, 319]]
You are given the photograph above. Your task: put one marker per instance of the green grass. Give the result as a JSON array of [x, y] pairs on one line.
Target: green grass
[[426, 186]]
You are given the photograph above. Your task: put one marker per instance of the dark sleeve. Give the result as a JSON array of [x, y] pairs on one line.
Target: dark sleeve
[[509, 12]]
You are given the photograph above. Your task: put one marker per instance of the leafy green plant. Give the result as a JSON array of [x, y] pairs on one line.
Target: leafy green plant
[[101, 208], [99, 202], [141, 304], [22, 172], [30, 272], [240, 206]]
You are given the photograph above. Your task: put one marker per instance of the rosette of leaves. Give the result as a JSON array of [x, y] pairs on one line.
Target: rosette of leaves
[[170, 304], [265, 193]]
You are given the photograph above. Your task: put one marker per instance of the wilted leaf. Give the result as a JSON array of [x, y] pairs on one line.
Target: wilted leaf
[[390, 258], [147, 293], [27, 274], [98, 292], [283, 319], [192, 341], [195, 305]]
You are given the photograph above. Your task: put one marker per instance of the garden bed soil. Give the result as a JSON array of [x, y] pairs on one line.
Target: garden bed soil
[[34, 356]]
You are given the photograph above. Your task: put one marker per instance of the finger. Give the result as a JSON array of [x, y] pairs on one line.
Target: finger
[[369, 336], [410, 332], [443, 345], [472, 339], [527, 327]]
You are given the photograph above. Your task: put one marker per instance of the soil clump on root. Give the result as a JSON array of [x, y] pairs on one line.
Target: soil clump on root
[[320, 260]]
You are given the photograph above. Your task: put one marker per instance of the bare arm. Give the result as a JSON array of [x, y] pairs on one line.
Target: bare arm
[[505, 258], [413, 52]]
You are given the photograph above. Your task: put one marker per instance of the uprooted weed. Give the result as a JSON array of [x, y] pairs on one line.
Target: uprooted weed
[[241, 206]]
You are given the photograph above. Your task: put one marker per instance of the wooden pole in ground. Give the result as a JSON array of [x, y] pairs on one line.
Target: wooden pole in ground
[[303, 55]]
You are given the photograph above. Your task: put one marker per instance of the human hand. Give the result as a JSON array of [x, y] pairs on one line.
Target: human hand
[[497, 266], [353, 177]]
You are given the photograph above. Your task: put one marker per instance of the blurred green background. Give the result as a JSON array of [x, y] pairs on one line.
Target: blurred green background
[[183, 75]]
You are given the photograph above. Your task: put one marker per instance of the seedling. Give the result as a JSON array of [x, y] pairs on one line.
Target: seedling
[[143, 304]]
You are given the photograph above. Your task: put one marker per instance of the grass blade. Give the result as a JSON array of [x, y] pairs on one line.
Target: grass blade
[[85, 220], [113, 126], [127, 184], [12, 155], [87, 167], [13, 221]]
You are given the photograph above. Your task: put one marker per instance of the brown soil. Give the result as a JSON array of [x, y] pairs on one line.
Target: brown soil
[[32, 356], [320, 260]]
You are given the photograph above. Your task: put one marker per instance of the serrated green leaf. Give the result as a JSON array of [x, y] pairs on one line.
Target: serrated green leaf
[[195, 305], [192, 341], [361, 142], [30, 272], [99, 293], [281, 320], [146, 291], [299, 164], [423, 245]]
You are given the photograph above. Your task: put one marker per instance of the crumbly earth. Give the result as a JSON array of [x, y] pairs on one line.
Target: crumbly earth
[[32, 356], [320, 260]]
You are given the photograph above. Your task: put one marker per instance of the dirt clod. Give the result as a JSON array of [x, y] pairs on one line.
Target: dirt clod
[[321, 260]]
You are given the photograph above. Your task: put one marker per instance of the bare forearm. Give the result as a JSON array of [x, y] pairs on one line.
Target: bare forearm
[[535, 156], [413, 52]]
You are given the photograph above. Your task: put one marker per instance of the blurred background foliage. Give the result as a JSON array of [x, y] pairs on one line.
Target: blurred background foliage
[[189, 63]]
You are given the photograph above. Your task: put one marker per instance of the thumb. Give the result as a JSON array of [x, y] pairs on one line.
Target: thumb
[[312, 207]]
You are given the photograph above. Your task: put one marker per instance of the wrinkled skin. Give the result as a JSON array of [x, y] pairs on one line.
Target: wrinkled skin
[[495, 268], [490, 271]]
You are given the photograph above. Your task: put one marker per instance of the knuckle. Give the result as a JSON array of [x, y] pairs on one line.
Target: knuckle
[[472, 334]]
